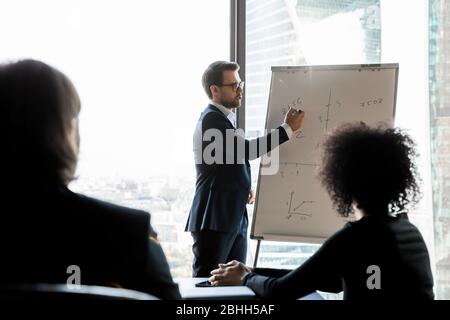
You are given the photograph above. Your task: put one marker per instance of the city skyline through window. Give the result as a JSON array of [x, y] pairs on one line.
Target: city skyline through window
[[137, 66]]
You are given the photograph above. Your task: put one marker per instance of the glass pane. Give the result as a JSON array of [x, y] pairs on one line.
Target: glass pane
[[286, 33], [137, 66]]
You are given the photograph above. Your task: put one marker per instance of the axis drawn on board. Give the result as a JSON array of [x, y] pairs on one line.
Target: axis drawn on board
[[284, 170], [298, 209]]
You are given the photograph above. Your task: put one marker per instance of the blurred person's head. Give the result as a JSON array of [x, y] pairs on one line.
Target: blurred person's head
[[222, 83], [371, 168], [39, 109]]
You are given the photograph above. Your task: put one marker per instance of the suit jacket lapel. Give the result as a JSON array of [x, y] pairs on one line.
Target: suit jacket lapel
[[213, 107]]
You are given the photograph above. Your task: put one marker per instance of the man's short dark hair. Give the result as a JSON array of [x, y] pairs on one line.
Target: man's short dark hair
[[372, 167], [37, 106], [213, 75]]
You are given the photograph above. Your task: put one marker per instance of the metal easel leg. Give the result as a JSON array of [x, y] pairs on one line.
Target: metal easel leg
[[255, 261]]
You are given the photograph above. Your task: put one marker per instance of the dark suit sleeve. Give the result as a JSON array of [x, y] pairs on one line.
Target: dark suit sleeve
[[252, 148], [270, 272], [158, 280], [321, 271]]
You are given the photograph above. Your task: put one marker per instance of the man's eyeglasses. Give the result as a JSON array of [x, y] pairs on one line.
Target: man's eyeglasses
[[234, 85]]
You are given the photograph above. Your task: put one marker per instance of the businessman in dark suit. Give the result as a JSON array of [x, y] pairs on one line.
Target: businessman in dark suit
[[218, 217], [49, 234]]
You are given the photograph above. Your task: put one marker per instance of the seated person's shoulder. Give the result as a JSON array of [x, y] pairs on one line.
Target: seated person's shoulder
[[104, 209]]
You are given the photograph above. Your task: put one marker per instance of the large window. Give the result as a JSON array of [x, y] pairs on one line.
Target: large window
[[137, 66], [290, 32]]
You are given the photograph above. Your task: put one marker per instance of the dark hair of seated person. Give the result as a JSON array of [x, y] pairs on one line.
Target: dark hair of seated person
[[372, 167], [379, 256], [46, 228]]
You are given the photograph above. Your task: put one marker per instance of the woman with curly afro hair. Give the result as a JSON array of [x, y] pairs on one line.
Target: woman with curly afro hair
[[369, 172]]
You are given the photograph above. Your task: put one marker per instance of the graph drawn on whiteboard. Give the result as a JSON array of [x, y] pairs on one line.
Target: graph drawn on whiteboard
[[324, 118], [292, 204]]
